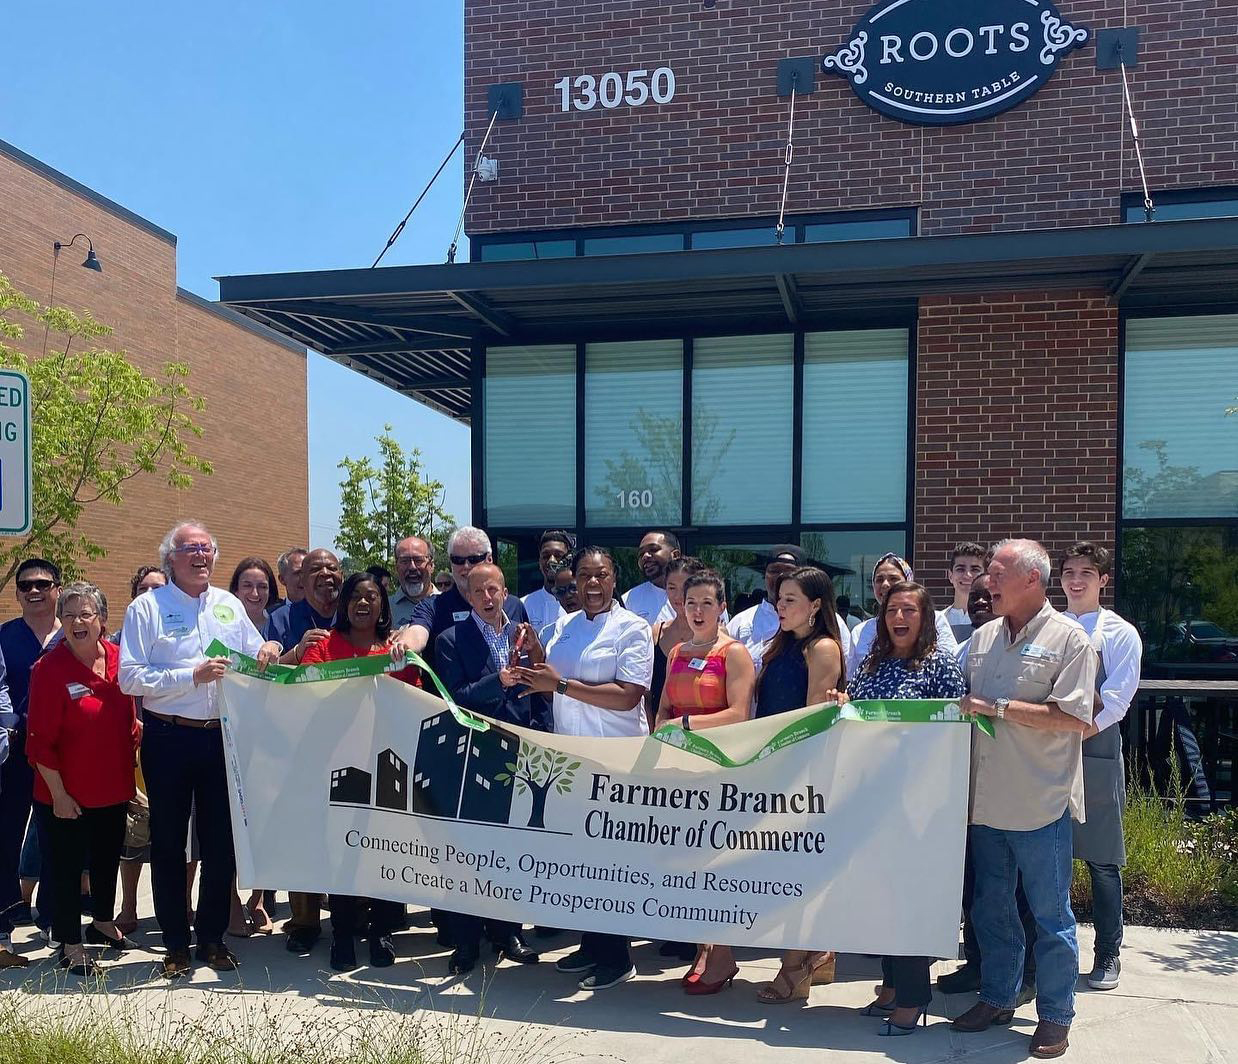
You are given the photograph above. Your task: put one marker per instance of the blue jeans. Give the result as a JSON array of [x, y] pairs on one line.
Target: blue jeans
[[1043, 857], [1107, 908]]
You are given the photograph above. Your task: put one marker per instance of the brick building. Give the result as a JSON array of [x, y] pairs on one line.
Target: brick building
[[251, 378], [971, 328]]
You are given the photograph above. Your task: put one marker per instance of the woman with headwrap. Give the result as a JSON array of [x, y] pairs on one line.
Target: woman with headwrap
[[890, 570]]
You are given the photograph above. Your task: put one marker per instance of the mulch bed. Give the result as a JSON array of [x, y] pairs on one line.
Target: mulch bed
[[1141, 910]]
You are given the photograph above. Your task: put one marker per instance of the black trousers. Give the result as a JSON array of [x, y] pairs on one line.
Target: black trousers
[[611, 951], [466, 930], [385, 916], [16, 792], [909, 976], [971, 948], [93, 840], [184, 767]]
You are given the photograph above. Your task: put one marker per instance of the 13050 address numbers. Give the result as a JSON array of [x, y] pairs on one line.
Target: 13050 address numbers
[[635, 88]]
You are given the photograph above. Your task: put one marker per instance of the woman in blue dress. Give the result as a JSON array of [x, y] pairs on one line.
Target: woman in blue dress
[[905, 662]]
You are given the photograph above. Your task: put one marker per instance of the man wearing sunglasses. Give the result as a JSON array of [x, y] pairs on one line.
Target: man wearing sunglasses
[[23, 641], [467, 548]]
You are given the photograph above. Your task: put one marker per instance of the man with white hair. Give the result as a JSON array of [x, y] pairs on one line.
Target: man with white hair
[[467, 548], [163, 660], [1034, 672]]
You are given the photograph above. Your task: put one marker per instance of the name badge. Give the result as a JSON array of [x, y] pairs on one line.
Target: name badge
[[697, 664], [1038, 653], [459, 615], [174, 619], [77, 690]]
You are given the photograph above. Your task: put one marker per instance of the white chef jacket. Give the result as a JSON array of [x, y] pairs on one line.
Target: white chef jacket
[[542, 608], [756, 626], [615, 645], [165, 636], [863, 637], [1121, 652], [955, 616], [646, 601]]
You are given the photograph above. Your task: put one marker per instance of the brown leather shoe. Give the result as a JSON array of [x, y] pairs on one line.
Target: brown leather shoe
[[216, 955], [9, 959], [981, 1016], [1050, 1040], [176, 963]]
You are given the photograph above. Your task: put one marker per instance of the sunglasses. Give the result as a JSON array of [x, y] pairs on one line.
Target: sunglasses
[[467, 559], [42, 584], [563, 592]]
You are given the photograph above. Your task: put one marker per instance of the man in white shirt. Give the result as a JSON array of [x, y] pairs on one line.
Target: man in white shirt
[[414, 571], [163, 661], [1086, 569], [758, 624], [543, 606], [656, 551], [966, 563]]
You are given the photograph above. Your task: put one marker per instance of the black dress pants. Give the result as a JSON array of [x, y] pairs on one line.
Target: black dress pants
[[385, 916], [16, 792], [466, 931], [94, 840], [184, 767], [909, 976], [610, 951]]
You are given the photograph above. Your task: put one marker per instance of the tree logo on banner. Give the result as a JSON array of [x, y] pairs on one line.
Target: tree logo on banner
[[536, 770], [945, 62]]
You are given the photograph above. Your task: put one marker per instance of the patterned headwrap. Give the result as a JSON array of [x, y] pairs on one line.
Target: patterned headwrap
[[901, 563]]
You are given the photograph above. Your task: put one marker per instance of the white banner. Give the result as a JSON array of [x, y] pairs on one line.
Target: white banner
[[848, 838]]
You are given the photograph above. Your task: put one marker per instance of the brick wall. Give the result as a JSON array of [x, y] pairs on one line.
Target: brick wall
[[716, 150], [1016, 414], [254, 425]]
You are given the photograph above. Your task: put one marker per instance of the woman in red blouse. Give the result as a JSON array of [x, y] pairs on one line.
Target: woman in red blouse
[[82, 740], [362, 625]]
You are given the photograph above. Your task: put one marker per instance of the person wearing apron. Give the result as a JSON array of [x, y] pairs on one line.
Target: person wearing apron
[[1086, 569]]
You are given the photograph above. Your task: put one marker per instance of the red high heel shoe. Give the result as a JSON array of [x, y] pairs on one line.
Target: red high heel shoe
[[693, 975], [701, 987]]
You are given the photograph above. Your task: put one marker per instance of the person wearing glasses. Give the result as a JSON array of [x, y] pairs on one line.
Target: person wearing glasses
[[467, 548], [566, 595], [23, 640], [443, 581], [83, 739], [553, 553], [163, 659], [414, 572]]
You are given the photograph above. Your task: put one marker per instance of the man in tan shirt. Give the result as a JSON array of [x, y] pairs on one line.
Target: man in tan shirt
[[1034, 670]]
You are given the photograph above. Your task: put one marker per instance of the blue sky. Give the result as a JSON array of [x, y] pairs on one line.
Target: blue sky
[[268, 137]]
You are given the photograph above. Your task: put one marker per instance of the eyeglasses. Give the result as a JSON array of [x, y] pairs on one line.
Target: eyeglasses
[[41, 584], [411, 559], [193, 548], [86, 616], [468, 559], [563, 592]]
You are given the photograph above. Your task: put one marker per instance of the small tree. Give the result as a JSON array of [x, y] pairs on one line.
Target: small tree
[[380, 506], [98, 422], [536, 770]]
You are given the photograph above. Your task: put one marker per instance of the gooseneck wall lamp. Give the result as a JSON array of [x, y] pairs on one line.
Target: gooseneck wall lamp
[[91, 263]]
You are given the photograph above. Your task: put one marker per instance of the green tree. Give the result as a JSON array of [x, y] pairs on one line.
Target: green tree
[[98, 422], [536, 770], [380, 505]]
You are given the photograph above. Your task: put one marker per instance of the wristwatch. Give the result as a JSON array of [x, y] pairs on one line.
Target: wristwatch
[[687, 723], [561, 686], [1001, 705]]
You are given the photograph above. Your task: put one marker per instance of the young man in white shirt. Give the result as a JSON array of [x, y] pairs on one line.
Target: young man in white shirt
[[1086, 570], [542, 605], [966, 563], [656, 551]]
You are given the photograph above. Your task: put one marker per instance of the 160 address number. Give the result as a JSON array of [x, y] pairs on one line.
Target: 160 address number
[[635, 88]]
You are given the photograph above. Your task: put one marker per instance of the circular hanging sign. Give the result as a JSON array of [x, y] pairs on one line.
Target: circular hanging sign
[[945, 62]]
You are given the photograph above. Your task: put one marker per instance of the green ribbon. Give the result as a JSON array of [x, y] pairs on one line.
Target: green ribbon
[[824, 717], [344, 669]]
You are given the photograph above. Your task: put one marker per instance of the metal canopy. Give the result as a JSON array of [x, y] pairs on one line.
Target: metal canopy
[[413, 327]]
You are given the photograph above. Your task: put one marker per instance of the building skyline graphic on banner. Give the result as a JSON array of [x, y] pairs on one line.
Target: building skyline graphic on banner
[[458, 773]]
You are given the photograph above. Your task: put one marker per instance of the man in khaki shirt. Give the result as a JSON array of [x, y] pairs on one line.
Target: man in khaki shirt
[[1034, 670]]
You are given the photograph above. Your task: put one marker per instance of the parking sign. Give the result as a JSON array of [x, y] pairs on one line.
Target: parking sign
[[16, 511]]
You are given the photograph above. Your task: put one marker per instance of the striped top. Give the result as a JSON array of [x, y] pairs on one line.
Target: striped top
[[696, 683]]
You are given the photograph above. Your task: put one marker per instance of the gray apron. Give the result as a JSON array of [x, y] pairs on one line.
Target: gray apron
[[1100, 839]]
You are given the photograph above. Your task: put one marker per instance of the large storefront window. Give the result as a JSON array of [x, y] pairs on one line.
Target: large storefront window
[[855, 384], [742, 397], [530, 430], [850, 557], [1179, 527], [634, 433]]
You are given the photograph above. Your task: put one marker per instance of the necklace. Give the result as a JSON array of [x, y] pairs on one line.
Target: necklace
[[701, 642]]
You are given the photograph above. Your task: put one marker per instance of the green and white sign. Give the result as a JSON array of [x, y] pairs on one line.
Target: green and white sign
[[825, 828], [16, 506]]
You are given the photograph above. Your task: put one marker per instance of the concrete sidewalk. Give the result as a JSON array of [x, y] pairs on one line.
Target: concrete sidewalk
[[1178, 1004]]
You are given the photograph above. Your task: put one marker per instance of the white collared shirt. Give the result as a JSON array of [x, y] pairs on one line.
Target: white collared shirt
[[863, 637], [542, 608], [615, 645], [1121, 652], [646, 601], [758, 624], [165, 636]]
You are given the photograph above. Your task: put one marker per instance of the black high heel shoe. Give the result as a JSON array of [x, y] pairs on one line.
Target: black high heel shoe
[[95, 937], [890, 1029]]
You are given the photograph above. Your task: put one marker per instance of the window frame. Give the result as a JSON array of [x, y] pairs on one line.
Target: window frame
[[1215, 194]]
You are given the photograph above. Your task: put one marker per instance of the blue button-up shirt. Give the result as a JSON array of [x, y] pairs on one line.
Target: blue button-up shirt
[[500, 642]]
